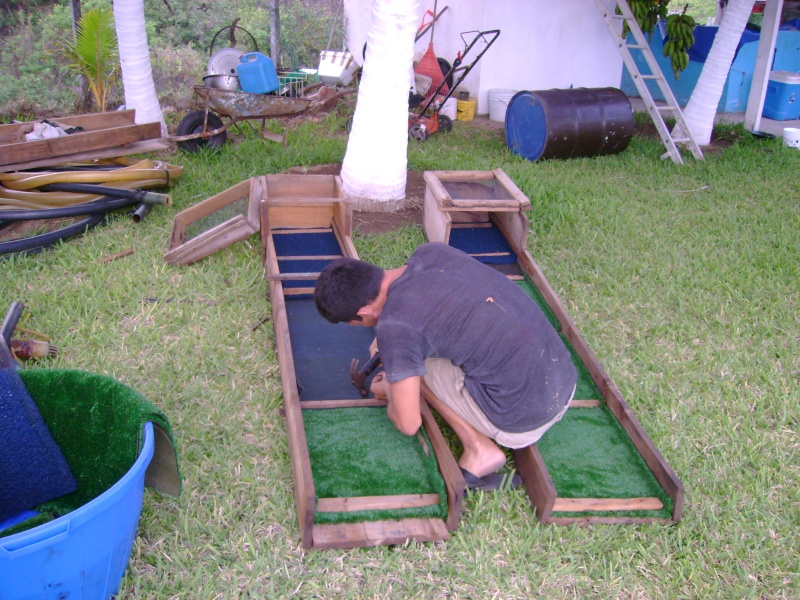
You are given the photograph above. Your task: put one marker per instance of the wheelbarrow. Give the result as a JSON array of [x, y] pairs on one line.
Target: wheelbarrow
[[223, 109], [224, 106]]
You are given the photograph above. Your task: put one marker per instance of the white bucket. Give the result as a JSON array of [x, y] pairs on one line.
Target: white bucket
[[498, 103], [791, 137], [450, 109]]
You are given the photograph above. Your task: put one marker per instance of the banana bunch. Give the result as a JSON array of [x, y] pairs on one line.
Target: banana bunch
[[647, 14], [680, 32]]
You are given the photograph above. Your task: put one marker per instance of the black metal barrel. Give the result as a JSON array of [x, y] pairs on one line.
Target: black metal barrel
[[569, 123]]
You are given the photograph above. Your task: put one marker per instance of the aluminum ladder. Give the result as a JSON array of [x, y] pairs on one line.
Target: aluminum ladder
[[657, 112]]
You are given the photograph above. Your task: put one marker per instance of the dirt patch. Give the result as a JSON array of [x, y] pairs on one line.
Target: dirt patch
[[372, 222], [411, 213], [647, 129]]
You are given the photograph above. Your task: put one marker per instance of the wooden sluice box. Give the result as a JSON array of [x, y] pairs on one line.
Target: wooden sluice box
[[357, 480], [597, 464]]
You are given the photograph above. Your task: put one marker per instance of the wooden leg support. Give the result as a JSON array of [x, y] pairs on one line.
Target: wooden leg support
[[537, 481]]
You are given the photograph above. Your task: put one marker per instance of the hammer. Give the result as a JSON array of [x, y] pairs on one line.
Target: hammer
[[359, 376]]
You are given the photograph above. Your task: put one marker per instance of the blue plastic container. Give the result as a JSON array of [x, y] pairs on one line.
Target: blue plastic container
[[782, 101], [257, 74], [83, 554]]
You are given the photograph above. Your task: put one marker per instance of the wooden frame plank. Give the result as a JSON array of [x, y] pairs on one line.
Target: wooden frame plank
[[292, 276], [601, 504], [309, 257], [110, 152], [436, 224], [298, 291], [345, 403], [77, 142], [448, 467], [378, 533], [584, 403], [304, 492], [356, 503], [537, 481], [9, 133]]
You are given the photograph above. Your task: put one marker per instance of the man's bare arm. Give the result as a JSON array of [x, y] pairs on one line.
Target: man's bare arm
[[403, 398]]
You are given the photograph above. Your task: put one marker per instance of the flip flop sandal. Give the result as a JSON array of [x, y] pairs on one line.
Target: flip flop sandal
[[491, 482]]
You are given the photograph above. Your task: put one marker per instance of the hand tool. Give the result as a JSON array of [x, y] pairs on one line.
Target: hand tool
[[359, 376]]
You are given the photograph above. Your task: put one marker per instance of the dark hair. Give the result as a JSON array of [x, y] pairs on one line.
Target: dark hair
[[344, 287]]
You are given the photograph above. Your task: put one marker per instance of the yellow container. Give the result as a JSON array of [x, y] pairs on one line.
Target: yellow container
[[465, 110]]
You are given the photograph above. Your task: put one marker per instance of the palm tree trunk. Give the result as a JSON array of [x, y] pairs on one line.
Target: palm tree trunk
[[86, 97], [134, 58], [702, 107], [375, 163], [275, 32]]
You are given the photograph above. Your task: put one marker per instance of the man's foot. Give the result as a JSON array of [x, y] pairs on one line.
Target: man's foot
[[491, 482], [482, 460]]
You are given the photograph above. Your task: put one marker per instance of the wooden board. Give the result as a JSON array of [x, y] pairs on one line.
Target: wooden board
[[102, 131], [110, 152], [438, 219]]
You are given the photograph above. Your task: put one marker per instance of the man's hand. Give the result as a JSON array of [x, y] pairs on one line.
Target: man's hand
[[380, 387]]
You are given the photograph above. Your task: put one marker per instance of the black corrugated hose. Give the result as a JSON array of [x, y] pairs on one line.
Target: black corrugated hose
[[23, 190]]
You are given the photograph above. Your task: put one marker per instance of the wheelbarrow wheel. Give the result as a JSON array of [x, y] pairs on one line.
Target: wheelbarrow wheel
[[192, 124], [445, 124]]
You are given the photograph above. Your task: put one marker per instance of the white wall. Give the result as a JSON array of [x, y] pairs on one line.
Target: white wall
[[543, 44]]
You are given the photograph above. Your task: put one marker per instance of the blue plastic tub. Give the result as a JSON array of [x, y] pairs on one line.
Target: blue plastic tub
[[257, 74], [83, 554]]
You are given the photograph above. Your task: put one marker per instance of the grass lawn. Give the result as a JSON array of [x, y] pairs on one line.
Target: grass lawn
[[682, 279]]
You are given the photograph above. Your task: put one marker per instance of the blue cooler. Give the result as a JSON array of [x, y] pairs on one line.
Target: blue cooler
[[782, 102], [257, 74]]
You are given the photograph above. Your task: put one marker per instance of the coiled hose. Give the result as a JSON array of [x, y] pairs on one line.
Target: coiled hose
[[92, 190]]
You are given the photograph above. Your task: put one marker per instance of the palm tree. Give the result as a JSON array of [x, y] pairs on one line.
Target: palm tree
[[134, 54], [375, 163], [702, 107], [92, 53]]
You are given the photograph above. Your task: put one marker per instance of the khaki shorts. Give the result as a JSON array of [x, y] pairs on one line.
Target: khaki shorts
[[447, 381]]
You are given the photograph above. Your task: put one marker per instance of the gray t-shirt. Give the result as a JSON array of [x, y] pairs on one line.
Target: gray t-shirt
[[448, 305]]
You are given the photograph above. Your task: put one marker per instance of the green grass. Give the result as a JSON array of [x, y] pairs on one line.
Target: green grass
[[682, 279]]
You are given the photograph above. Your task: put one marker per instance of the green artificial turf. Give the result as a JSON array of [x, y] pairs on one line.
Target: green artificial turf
[[358, 452], [529, 288], [98, 423], [589, 455], [586, 388]]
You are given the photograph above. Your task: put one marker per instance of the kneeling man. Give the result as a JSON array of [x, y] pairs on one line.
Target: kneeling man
[[498, 368]]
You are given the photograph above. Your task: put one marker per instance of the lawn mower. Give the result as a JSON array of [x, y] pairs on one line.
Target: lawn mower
[[427, 120]]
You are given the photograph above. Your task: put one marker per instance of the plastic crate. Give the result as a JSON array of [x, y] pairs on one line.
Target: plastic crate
[[291, 84], [336, 68]]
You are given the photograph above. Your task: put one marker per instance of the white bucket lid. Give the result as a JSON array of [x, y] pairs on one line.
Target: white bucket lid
[[785, 76]]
